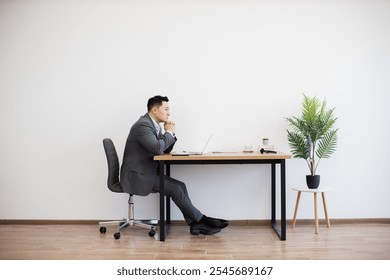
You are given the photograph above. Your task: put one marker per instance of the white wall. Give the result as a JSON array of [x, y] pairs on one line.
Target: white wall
[[74, 72]]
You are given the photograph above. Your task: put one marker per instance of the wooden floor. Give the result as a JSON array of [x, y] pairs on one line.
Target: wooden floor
[[73, 242]]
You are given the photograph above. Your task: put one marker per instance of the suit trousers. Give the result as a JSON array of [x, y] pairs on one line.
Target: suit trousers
[[177, 190]]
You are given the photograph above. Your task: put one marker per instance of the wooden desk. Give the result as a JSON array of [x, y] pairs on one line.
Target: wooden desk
[[165, 161]]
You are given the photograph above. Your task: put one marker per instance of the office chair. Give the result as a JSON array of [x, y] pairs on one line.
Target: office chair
[[114, 185]]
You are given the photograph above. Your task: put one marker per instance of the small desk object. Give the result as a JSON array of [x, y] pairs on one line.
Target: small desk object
[[165, 162], [314, 191]]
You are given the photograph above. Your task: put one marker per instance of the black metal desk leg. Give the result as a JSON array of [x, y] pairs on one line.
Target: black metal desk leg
[[162, 202], [281, 232], [273, 194], [168, 198], [283, 198]]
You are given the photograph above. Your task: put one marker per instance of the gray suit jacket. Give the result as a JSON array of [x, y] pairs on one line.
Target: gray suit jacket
[[139, 170]]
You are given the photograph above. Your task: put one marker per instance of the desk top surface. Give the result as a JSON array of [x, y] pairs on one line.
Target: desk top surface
[[225, 156]]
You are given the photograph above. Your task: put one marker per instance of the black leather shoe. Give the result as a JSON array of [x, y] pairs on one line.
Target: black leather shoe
[[215, 223], [201, 228]]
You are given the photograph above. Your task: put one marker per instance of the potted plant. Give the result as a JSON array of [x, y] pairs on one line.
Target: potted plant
[[312, 136]]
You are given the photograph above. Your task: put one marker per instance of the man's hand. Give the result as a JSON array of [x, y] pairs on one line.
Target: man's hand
[[169, 126]]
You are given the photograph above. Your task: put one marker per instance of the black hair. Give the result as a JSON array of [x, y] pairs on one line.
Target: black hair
[[156, 101]]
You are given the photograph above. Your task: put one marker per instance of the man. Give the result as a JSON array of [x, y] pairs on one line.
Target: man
[[139, 173]]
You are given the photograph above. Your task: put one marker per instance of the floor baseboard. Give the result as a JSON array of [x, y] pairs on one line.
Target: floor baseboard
[[182, 223]]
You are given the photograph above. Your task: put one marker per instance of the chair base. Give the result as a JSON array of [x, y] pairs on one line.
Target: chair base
[[150, 224], [125, 223]]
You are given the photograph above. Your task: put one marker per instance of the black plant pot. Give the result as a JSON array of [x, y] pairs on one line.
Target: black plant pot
[[313, 181]]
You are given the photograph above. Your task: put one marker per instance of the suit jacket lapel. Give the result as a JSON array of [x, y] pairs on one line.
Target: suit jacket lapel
[[152, 124]]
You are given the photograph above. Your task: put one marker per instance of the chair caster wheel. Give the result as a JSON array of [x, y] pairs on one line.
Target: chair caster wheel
[[152, 233], [117, 235], [103, 230]]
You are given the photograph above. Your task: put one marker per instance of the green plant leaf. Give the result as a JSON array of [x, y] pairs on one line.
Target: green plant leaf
[[297, 144], [327, 145]]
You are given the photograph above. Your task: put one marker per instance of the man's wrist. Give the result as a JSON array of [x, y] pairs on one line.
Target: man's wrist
[[172, 133]]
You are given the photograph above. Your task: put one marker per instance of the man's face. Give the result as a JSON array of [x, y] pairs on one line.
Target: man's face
[[161, 113]]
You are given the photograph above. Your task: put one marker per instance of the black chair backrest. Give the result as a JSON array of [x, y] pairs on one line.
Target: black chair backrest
[[113, 182]]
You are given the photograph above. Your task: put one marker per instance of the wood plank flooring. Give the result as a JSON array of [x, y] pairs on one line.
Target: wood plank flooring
[[73, 242]]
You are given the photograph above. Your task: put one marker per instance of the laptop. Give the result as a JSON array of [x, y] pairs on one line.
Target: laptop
[[184, 153]]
